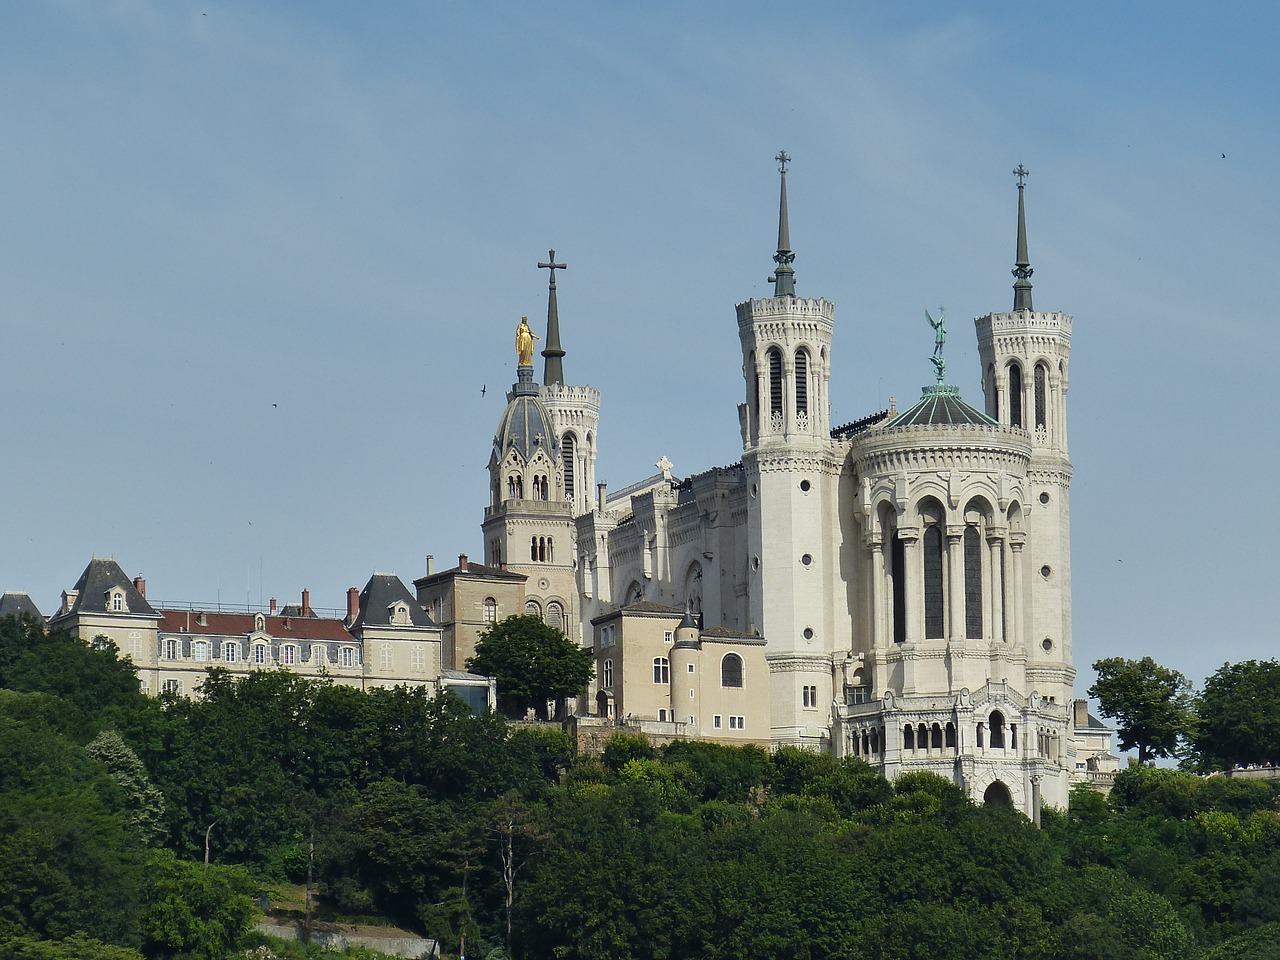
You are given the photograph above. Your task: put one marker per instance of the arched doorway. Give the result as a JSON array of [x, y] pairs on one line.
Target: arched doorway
[[997, 795]]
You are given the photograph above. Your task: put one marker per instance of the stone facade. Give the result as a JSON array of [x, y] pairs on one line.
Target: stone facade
[[904, 580]]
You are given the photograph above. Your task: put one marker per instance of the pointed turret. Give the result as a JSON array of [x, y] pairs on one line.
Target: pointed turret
[[784, 278], [1022, 270], [553, 354]]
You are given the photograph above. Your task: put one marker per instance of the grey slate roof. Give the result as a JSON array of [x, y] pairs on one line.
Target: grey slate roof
[[99, 577], [477, 570], [940, 405], [383, 590], [14, 604], [525, 424]]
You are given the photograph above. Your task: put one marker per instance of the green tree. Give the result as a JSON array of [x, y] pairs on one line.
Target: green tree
[[196, 910], [1151, 704], [144, 803], [533, 663], [1239, 715]]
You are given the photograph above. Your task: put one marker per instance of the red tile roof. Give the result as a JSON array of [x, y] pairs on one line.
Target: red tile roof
[[241, 625]]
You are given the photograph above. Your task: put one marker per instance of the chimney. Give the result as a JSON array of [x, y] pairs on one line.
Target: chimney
[[462, 562], [600, 495], [306, 603], [1081, 717], [431, 564], [273, 606], [141, 586], [353, 604]]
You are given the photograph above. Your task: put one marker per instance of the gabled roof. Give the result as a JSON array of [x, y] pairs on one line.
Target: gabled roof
[[217, 624], [381, 592], [15, 604], [99, 577], [941, 405]]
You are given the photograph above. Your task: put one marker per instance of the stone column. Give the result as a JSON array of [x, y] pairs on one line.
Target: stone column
[[995, 591], [912, 582], [878, 585], [1015, 547], [955, 584]]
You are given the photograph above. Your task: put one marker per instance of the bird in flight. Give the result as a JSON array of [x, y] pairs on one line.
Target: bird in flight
[[483, 389]]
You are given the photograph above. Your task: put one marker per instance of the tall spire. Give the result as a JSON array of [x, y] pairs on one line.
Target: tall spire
[[1022, 270], [784, 278], [552, 354]]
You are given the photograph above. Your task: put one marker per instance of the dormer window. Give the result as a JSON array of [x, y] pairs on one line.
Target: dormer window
[[347, 656], [400, 614], [115, 602]]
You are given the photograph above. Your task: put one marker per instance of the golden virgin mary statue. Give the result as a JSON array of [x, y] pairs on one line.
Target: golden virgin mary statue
[[524, 342]]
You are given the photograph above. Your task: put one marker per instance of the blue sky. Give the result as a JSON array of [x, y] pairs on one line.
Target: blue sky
[[258, 260]]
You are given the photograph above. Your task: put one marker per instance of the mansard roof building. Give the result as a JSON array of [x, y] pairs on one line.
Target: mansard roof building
[[900, 587]]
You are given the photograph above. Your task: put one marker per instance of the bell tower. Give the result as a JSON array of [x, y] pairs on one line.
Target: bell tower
[[791, 474], [1025, 356]]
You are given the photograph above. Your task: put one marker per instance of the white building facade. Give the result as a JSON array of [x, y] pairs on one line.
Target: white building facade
[[908, 574]]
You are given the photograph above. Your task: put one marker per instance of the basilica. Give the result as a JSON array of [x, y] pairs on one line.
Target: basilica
[[897, 588]]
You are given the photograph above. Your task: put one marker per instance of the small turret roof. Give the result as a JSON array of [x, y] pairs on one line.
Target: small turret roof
[[941, 405], [14, 604], [381, 592], [525, 424]]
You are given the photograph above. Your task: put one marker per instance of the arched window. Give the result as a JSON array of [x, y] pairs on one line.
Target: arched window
[[551, 550], [231, 652], [993, 395], [731, 670], [607, 673], [775, 382], [949, 734], [533, 549], [200, 650], [1015, 395], [908, 737], [753, 389], [934, 622], [568, 453], [802, 382], [875, 739], [490, 610], [661, 670], [936, 733], [972, 582], [1040, 388], [289, 654], [555, 615], [532, 609], [996, 721]]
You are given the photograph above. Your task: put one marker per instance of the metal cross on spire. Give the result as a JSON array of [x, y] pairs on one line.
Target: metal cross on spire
[[783, 159], [1022, 268], [553, 353], [1021, 173]]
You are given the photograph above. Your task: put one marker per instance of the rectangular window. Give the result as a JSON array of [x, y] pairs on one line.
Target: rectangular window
[[347, 657], [419, 660], [386, 656], [810, 696], [200, 650], [661, 670], [737, 723], [230, 652], [662, 715], [290, 655], [259, 653], [171, 686], [668, 636], [170, 649], [855, 695], [715, 721], [690, 666]]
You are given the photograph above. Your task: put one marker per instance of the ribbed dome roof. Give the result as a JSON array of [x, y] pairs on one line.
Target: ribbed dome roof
[[525, 424], [940, 404]]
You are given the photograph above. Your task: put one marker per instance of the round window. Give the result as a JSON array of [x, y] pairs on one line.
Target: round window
[[808, 633], [755, 563], [1045, 571], [1044, 498], [806, 559], [804, 486], [1047, 644]]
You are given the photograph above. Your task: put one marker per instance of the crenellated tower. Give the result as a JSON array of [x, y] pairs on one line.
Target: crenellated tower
[[1025, 356], [791, 474]]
